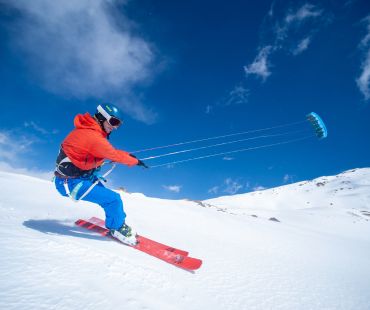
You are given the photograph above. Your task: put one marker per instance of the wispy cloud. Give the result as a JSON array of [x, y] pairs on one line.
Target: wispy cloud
[[17, 147], [84, 49], [290, 27], [303, 13], [34, 172], [363, 81], [209, 109], [232, 186], [261, 65], [302, 46], [39, 129], [13, 146], [229, 186], [349, 3], [271, 11], [214, 190], [238, 95], [288, 178], [259, 188], [173, 188], [290, 32]]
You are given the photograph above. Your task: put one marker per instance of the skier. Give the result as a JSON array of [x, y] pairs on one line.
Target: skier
[[80, 158]]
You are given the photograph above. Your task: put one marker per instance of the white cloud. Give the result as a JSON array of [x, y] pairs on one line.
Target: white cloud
[[366, 40], [14, 149], [303, 13], [259, 188], [232, 187], [39, 129], [238, 95], [172, 188], [229, 186], [209, 109], [213, 190], [302, 46], [170, 166], [271, 11], [81, 49], [3, 138], [349, 3], [260, 65], [287, 34], [293, 23], [363, 81], [12, 146], [45, 175], [288, 178]]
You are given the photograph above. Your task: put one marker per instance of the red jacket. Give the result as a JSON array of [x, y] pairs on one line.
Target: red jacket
[[87, 145]]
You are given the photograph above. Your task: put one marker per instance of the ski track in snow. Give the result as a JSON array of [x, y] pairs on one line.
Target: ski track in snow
[[317, 257]]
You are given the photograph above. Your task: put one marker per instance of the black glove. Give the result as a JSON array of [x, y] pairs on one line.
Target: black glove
[[141, 163]]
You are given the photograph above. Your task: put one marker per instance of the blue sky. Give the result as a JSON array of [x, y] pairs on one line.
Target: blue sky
[[184, 71]]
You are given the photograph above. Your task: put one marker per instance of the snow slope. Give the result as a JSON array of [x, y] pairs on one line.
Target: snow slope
[[316, 257]]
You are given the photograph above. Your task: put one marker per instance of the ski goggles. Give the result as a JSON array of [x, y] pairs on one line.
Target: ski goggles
[[112, 120]]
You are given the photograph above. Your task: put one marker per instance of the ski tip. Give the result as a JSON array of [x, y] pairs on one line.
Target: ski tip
[[191, 264]]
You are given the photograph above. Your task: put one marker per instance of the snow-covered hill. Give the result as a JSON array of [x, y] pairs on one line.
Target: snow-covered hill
[[300, 246], [326, 197]]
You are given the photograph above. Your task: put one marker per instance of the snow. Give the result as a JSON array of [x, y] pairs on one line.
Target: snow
[[314, 255]]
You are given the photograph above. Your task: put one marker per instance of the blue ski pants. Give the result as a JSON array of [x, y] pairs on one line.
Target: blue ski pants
[[109, 200]]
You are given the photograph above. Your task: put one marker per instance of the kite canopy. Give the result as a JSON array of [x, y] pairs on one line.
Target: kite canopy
[[318, 125]]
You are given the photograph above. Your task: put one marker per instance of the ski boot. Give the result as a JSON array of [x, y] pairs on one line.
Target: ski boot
[[125, 234]]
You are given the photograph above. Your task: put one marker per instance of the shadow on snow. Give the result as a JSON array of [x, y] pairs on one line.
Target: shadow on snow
[[55, 227]]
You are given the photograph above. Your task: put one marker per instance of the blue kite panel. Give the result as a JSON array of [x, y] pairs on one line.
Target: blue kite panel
[[318, 125]]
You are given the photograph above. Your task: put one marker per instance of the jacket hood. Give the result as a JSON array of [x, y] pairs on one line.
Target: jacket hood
[[86, 121]]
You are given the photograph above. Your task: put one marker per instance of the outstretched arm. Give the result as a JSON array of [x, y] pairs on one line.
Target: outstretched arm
[[103, 149]]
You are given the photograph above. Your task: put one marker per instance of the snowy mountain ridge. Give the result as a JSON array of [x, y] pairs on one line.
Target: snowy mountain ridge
[[348, 191], [316, 257]]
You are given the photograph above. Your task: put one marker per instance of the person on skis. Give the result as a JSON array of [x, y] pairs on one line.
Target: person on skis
[[81, 156]]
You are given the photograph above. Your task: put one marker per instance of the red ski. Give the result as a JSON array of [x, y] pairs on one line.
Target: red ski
[[101, 223], [168, 254]]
